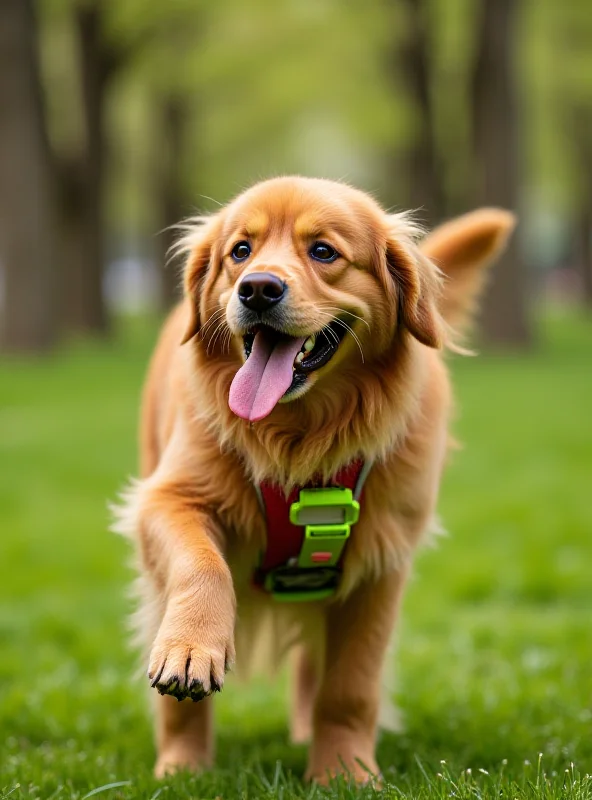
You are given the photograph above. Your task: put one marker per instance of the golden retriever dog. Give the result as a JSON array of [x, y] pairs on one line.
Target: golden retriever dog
[[307, 350]]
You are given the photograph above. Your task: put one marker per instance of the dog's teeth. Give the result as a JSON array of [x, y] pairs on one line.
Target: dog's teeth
[[299, 358], [309, 343]]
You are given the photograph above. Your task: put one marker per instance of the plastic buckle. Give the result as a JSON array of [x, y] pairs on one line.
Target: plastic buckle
[[323, 545], [331, 506], [327, 516], [293, 584]]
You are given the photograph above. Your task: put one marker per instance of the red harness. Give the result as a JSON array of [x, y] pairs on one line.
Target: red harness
[[284, 539]]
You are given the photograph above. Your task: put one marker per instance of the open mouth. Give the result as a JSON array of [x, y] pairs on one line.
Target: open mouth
[[277, 365], [316, 351]]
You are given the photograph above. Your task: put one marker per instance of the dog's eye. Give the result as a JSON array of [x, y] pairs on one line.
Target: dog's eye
[[321, 251], [241, 251]]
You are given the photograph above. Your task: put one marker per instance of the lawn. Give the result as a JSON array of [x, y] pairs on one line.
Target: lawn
[[495, 648]]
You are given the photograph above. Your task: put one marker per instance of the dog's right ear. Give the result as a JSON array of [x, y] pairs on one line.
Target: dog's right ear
[[201, 243], [417, 280]]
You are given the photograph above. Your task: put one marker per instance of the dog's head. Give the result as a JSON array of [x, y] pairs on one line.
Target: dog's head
[[303, 277]]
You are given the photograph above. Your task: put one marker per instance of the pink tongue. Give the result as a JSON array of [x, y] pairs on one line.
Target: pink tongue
[[265, 376]]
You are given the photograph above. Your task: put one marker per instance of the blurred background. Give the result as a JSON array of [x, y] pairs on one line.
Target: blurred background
[[120, 117]]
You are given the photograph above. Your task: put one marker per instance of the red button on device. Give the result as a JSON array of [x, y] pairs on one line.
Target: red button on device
[[320, 558]]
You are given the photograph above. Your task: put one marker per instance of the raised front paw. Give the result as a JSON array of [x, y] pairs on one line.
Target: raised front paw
[[190, 660]]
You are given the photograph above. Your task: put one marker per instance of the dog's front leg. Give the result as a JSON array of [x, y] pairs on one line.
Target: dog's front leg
[[194, 645], [347, 705]]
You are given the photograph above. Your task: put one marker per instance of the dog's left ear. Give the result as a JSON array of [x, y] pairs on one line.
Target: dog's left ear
[[418, 282], [200, 242]]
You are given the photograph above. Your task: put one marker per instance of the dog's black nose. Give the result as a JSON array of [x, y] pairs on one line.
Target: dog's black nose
[[260, 290]]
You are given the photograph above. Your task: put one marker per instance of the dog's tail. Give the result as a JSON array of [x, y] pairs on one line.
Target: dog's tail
[[462, 249]]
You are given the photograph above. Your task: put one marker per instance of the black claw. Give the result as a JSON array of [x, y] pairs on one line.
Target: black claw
[[197, 691], [172, 688], [154, 681], [175, 688]]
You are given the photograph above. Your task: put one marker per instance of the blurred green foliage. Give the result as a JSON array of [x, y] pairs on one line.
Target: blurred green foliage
[[309, 86]]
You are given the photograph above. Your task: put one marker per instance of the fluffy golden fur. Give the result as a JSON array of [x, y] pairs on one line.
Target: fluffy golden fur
[[384, 396]]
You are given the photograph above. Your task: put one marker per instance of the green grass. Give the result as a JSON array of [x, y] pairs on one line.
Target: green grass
[[495, 644]]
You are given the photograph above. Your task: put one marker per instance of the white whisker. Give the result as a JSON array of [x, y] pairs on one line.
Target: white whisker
[[228, 340], [354, 335], [343, 311], [218, 331], [214, 318], [210, 323], [333, 334], [345, 325]]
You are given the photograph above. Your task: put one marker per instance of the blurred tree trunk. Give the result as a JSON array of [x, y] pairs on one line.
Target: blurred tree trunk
[[425, 186], [81, 181], [581, 137], [585, 251], [410, 59], [174, 116], [82, 178], [28, 319], [505, 319]]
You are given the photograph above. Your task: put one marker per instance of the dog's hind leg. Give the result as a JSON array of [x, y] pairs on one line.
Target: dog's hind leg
[[184, 734], [304, 680], [345, 719]]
